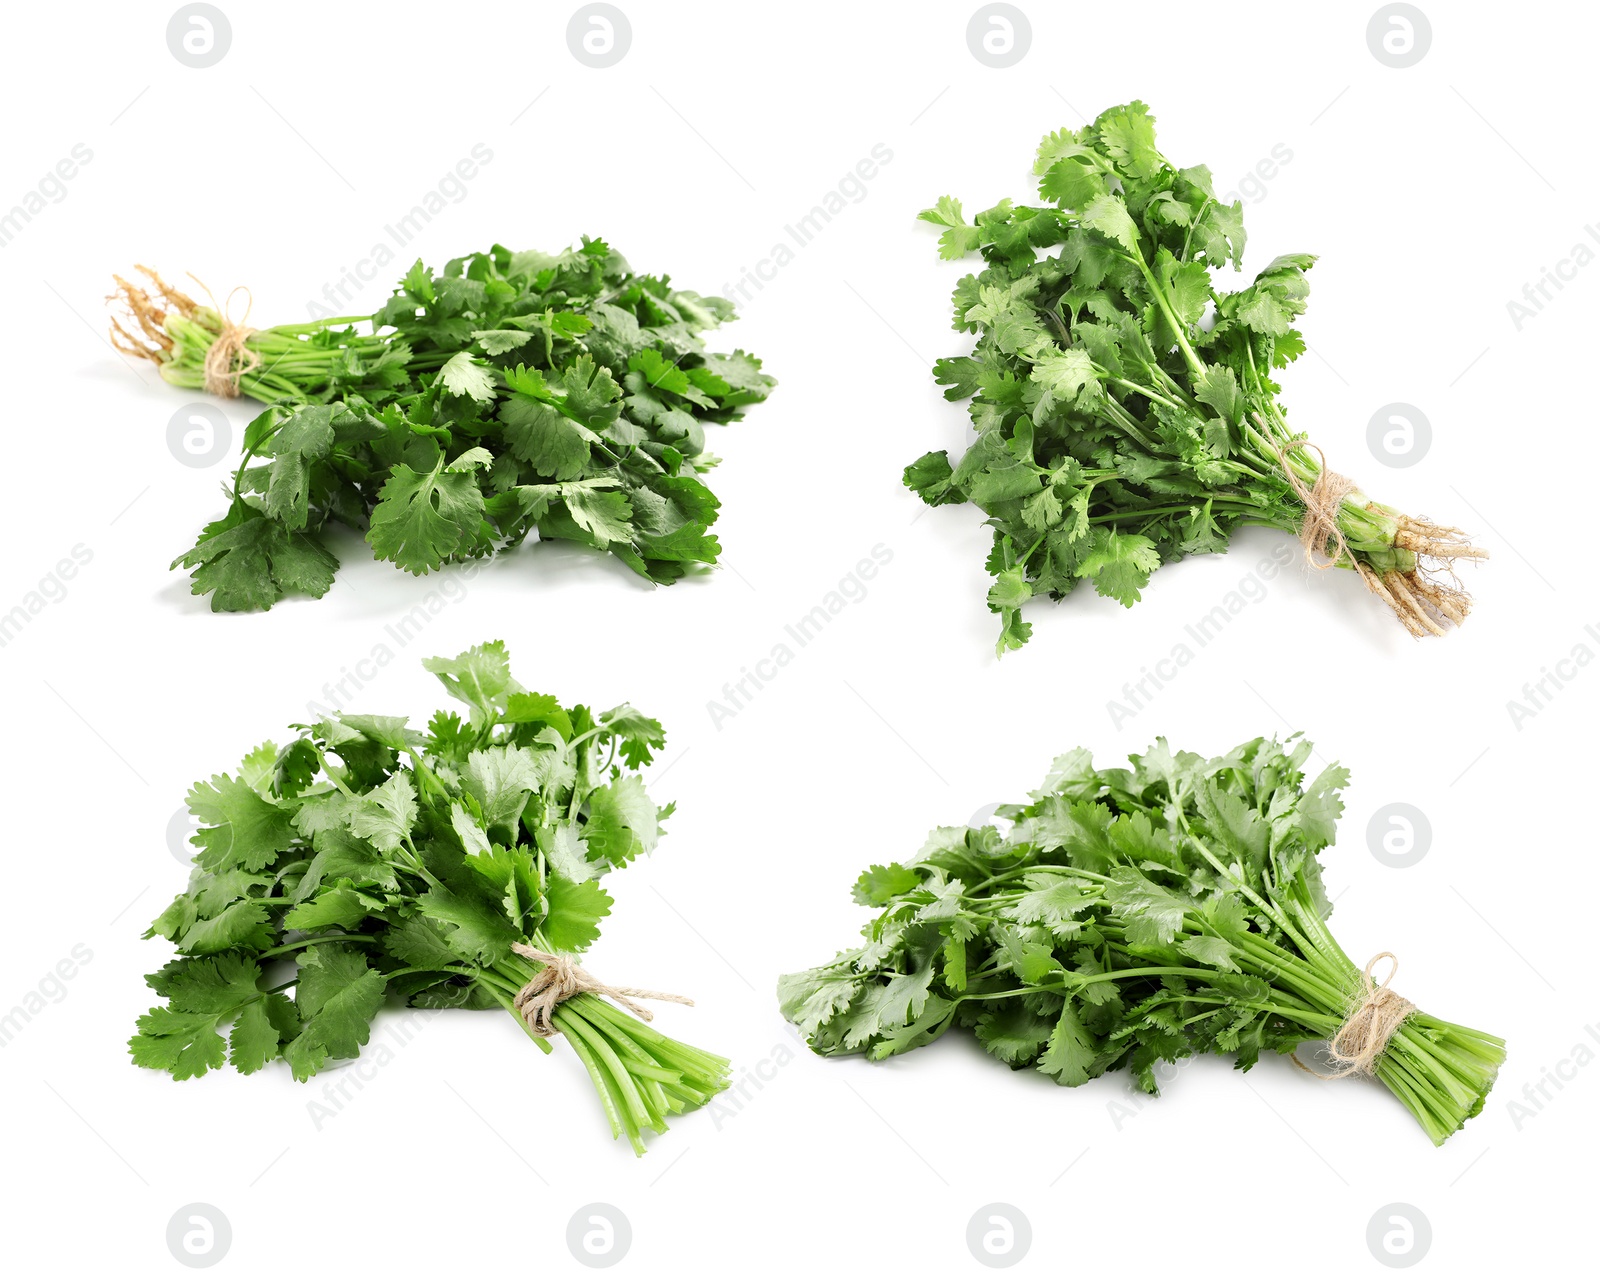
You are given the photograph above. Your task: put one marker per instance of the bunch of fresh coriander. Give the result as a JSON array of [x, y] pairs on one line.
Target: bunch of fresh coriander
[[1130, 917], [515, 393], [386, 861], [1124, 406]]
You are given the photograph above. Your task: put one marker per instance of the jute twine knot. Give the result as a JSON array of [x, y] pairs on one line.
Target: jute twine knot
[[1369, 1026], [1422, 603], [1319, 528], [563, 977], [230, 359]]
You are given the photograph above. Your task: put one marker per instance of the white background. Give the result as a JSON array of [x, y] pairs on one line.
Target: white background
[[1432, 194]]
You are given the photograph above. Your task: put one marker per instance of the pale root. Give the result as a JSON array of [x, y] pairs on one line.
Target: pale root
[[229, 357], [1428, 599]]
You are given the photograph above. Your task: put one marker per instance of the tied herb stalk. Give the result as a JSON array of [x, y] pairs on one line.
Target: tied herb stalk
[[292, 362], [513, 394], [386, 861], [1130, 917], [1124, 405]]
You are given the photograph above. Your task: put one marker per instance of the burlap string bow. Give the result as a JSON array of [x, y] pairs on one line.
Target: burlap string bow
[[1422, 603], [1319, 529], [1369, 1026], [230, 359], [563, 977]]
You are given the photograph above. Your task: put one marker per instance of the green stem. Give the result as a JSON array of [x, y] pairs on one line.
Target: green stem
[[278, 950]]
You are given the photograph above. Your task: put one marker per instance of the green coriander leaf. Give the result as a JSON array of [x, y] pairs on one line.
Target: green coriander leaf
[[385, 815], [216, 986], [811, 999], [880, 884], [1119, 564], [497, 342], [573, 922], [254, 1040], [241, 829], [1070, 1058], [422, 519], [481, 678], [476, 932], [464, 377], [183, 1044], [622, 821], [500, 779], [338, 995]]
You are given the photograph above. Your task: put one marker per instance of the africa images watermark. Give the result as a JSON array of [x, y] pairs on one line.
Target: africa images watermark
[[1165, 1071], [52, 988], [850, 590], [50, 188], [1250, 590], [1552, 280], [340, 694], [51, 589], [1539, 694], [1536, 1096], [1252, 186], [338, 1086], [451, 188], [850, 188], [748, 1084]]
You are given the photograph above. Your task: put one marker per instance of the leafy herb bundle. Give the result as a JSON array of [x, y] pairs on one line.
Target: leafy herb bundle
[[385, 860], [1124, 406], [513, 394], [1130, 917]]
